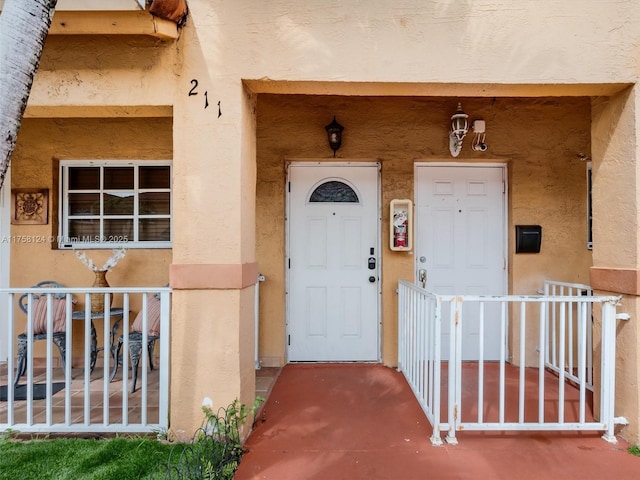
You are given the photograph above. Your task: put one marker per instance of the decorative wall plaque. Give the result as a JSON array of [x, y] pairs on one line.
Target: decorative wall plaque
[[29, 206]]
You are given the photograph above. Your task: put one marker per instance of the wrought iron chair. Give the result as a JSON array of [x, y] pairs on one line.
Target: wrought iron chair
[[39, 318], [135, 340]]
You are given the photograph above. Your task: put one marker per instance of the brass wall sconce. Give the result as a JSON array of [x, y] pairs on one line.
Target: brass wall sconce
[[334, 132]]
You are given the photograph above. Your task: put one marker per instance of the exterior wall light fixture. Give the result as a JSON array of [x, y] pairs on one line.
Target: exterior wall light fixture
[[459, 128], [334, 132]]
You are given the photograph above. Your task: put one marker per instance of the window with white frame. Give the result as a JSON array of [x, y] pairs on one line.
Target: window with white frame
[[115, 203]]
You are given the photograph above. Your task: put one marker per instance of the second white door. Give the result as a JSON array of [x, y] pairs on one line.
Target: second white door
[[460, 244]]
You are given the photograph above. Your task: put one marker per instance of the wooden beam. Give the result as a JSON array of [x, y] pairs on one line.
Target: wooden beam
[[434, 89], [98, 111], [112, 23]]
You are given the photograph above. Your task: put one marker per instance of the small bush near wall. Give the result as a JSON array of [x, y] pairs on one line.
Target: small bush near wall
[[216, 447]]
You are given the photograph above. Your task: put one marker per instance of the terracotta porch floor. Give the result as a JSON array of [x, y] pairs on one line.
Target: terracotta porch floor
[[96, 388], [361, 421]]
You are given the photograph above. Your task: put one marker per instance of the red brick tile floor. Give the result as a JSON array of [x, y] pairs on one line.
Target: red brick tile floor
[[361, 421], [96, 392]]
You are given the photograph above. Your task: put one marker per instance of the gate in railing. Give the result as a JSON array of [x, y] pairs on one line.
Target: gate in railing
[[562, 339], [499, 395], [67, 384]]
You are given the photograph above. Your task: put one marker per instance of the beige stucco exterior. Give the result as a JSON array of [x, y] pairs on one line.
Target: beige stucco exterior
[[547, 183], [43, 143], [553, 81]]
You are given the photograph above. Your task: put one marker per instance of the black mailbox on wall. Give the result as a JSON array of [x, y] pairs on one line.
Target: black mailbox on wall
[[528, 238]]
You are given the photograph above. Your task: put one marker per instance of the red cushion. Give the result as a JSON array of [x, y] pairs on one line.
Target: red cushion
[[153, 318], [40, 315]]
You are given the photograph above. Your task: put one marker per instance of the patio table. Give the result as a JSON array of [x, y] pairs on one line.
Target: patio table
[[114, 314]]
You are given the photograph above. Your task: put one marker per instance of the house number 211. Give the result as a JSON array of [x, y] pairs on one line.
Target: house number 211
[[194, 91]]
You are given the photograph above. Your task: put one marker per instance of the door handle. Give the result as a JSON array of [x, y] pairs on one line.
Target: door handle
[[422, 277], [372, 279]]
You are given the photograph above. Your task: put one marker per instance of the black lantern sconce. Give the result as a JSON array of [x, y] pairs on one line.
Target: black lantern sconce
[[334, 132]]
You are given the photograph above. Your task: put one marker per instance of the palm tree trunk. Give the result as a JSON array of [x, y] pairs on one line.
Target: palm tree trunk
[[24, 26]]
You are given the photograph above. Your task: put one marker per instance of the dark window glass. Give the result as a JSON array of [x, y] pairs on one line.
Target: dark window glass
[[118, 178], [84, 204], [154, 177], [155, 203], [85, 230], [154, 230], [118, 230], [334, 191], [118, 204], [84, 178]]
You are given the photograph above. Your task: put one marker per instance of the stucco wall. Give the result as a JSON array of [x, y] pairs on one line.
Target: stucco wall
[[475, 50], [538, 139], [492, 41], [615, 168], [104, 75], [42, 142]]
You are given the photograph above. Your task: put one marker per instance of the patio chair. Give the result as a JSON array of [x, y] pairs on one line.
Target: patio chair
[[135, 340], [39, 319]]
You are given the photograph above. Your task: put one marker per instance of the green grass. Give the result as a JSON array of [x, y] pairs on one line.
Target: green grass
[[87, 459], [634, 450]]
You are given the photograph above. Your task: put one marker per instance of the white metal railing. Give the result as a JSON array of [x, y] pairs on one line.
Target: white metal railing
[[419, 349], [548, 402], [88, 401], [568, 338]]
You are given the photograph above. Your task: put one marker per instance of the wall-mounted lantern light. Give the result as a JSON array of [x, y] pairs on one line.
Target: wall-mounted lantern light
[[459, 128], [334, 132]]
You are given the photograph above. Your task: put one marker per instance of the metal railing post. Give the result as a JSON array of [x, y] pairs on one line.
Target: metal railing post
[[455, 368], [608, 365]]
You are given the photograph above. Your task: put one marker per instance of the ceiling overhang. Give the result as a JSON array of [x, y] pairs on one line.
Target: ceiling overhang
[[93, 22]]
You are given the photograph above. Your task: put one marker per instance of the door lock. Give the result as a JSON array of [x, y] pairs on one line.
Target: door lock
[[422, 277], [372, 263]]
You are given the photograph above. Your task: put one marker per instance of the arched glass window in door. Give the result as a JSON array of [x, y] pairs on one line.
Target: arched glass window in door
[[334, 191]]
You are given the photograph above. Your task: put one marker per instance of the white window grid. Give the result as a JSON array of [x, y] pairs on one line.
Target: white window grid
[[65, 241]]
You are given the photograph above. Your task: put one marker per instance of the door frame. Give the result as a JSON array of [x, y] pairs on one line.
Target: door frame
[[505, 207], [329, 164]]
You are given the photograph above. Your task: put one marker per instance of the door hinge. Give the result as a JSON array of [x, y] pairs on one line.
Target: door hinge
[[289, 186], [288, 339], [289, 262], [504, 187]]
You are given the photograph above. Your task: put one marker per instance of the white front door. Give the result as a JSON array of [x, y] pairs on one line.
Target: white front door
[[460, 244], [333, 284]]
